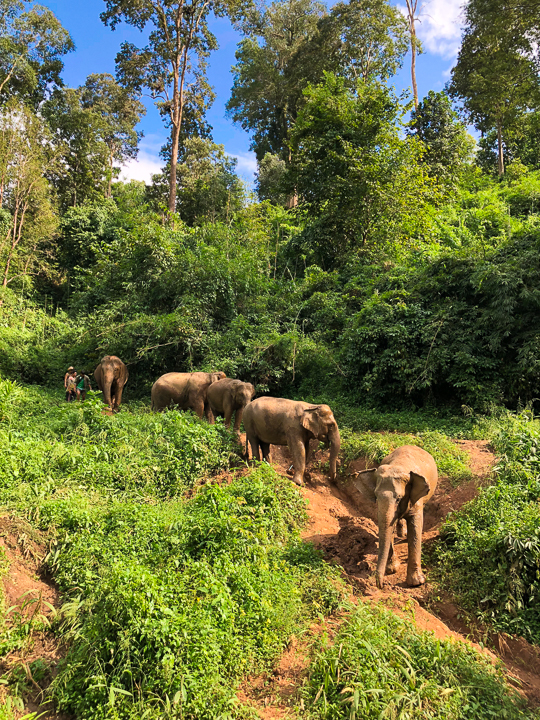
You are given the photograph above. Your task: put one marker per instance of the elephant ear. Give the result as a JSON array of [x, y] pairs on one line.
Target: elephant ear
[[365, 483], [310, 420], [419, 487]]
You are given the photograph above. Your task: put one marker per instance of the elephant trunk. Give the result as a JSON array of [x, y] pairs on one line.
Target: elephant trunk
[[108, 377], [386, 513], [335, 444]]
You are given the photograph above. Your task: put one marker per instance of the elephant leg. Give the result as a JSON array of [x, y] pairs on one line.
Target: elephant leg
[[298, 452], [307, 449], [196, 403], [118, 395], [265, 447], [254, 444], [400, 528], [238, 420], [393, 563], [227, 412], [415, 524]]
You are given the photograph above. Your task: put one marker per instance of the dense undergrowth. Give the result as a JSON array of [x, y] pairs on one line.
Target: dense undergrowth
[[450, 321], [495, 539], [380, 666]]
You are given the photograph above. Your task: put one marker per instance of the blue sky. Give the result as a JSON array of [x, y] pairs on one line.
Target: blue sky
[[97, 45]]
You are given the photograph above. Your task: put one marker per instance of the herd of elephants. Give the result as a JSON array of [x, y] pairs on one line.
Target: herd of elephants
[[401, 485]]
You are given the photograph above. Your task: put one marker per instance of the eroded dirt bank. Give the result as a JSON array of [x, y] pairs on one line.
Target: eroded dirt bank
[[27, 597], [344, 526]]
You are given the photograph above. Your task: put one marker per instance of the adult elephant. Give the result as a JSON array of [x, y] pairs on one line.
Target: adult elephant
[[186, 390], [401, 485], [277, 421], [230, 396], [111, 376]]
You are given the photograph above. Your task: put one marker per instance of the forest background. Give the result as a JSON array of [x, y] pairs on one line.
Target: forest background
[[386, 252]]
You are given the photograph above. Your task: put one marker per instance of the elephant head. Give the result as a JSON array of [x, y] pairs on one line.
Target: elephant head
[[243, 392], [394, 491], [214, 377], [319, 421]]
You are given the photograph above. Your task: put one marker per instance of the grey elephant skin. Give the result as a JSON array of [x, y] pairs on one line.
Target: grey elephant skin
[[186, 391], [401, 485], [277, 421], [230, 396], [111, 376]]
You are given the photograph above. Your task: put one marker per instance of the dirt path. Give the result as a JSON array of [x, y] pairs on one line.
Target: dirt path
[[344, 526]]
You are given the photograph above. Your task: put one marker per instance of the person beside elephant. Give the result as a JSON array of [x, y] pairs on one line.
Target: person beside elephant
[[82, 383], [401, 485], [230, 396], [111, 377], [186, 391], [278, 421]]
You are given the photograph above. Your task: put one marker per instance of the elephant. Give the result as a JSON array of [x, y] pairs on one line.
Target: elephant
[[111, 376], [277, 421], [187, 390], [227, 396], [401, 485]]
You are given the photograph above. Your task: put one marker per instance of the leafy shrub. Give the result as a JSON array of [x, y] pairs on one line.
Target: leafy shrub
[[379, 666], [179, 601], [495, 539]]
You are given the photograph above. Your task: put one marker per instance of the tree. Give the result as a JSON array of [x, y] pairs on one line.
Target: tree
[[269, 181], [359, 39], [120, 110], [295, 43], [173, 59], [208, 187], [495, 77], [361, 185], [412, 7], [26, 151], [85, 157], [448, 146], [32, 43], [267, 89]]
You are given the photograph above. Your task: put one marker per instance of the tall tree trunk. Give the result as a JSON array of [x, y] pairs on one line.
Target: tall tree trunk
[[109, 184], [500, 162], [413, 65], [411, 16]]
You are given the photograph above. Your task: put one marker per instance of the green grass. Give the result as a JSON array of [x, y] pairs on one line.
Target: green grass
[[379, 666], [495, 539], [451, 460]]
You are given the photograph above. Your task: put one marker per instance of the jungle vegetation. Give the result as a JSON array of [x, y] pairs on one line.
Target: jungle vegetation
[[387, 263]]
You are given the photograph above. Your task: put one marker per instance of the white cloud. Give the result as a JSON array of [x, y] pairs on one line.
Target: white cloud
[[247, 164], [439, 26], [146, 165]]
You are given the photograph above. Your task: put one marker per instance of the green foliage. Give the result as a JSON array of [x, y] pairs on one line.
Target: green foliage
[[379, 665], [452, 462], [448, 146], [361, 184], [32, 43], [495, 539], [168, 602]]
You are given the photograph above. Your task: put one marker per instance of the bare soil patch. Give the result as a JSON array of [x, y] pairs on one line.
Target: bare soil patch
[[28, 595]]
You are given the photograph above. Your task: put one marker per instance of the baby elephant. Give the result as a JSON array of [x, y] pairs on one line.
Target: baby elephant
[[401, 485], [276, 421], [228, 396]]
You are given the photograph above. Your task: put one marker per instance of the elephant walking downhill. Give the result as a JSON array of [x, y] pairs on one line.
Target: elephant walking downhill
[[230, 396], [185, 390], [277, 421], [111, 376], [401, 485]]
